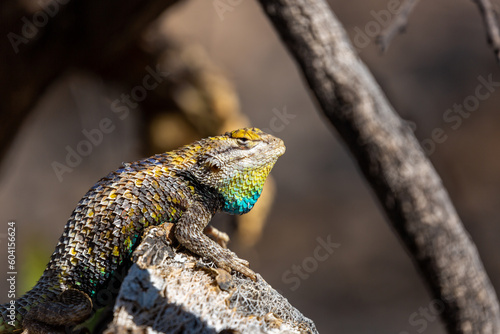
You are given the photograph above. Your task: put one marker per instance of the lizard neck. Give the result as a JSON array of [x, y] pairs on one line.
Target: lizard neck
[[244, 189]]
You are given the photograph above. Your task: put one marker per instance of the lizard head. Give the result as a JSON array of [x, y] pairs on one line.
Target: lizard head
[[237, 164]]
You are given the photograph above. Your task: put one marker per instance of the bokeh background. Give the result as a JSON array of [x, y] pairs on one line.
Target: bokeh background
[[368, 284]]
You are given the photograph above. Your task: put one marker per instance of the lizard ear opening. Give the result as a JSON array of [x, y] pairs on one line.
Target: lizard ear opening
[[213, 164]]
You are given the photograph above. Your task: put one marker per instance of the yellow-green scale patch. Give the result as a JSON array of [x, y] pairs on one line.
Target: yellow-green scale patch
[[244, 190]]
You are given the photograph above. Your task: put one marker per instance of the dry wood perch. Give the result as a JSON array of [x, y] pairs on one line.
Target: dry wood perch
[[169, 290]]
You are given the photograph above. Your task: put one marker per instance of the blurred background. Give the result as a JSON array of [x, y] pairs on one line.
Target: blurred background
[[368, 283]]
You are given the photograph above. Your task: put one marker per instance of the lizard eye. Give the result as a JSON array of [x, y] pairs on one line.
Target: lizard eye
[[242, 141]]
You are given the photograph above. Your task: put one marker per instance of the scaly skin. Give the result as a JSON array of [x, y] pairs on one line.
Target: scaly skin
[[186, 187]]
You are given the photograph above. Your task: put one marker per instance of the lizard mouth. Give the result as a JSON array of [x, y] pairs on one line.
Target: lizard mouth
[[282, 148]]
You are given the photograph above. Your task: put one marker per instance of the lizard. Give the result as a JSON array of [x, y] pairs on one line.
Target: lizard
[[185, 187]]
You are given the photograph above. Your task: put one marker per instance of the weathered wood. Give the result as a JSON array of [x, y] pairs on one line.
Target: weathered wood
[[169, 290], [409, 189]]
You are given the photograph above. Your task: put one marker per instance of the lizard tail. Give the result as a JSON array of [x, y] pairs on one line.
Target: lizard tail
[[13, 312]]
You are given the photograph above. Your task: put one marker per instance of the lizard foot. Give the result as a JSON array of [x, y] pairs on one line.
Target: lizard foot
[[228, 260]]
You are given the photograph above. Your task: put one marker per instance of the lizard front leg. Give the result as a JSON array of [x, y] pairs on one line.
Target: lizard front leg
[[72, 307], [189, 232]]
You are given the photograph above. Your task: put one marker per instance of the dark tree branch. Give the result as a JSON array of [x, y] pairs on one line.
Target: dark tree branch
[[397, 26], [491, 24], [388, 154]]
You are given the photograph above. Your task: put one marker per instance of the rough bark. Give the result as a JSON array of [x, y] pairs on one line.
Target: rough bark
[[406, 184], [169, 291]]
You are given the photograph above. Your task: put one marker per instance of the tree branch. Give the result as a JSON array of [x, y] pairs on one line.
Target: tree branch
[[388, 154], [398, 25], [491, 25]]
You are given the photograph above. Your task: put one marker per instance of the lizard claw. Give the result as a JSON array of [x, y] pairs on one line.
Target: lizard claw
[[230, 260]]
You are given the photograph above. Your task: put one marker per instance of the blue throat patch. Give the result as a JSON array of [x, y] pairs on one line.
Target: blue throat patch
[[240, 206]]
